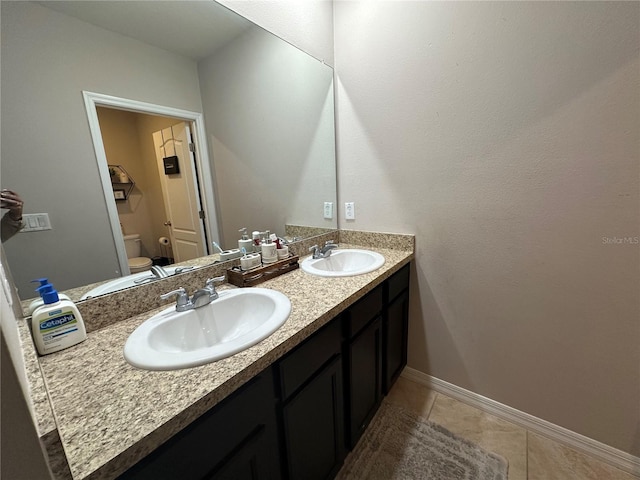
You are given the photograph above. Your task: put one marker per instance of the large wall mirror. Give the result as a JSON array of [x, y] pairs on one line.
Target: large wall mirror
[[265, 107]]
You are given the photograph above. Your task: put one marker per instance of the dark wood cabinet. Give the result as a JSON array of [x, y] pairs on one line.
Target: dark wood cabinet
[[248, 460], [313, 426], [311, 390], [362, 352], [395, 327], [236, 439], [298, 366], [364, 382]]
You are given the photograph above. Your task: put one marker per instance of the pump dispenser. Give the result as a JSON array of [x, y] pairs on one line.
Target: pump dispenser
[[269, 254], [38, 302], [57, 324], [245, 242]]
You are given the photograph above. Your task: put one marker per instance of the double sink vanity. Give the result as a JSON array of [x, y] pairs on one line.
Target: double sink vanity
[[283, 390]]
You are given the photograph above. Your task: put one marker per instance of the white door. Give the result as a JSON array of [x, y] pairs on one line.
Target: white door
[[180, 192]]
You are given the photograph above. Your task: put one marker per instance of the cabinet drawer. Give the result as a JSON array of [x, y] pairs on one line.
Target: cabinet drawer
[[398, 283], [363, 311], [299, 365]]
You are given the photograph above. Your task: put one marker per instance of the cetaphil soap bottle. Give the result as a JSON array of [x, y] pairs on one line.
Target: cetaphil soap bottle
[[38, 302], [57, 324]]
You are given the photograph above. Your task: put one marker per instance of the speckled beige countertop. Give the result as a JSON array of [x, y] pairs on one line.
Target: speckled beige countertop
[[109, 414]]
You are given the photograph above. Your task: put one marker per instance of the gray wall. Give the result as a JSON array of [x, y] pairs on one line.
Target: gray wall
[[306, 24], [267, 175], [505, 136], [47, 152]]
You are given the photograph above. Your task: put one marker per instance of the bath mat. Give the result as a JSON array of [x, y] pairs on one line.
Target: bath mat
[[401, 445]]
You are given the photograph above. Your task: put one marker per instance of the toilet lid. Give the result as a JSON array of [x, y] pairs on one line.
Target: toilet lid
[[138, 262]]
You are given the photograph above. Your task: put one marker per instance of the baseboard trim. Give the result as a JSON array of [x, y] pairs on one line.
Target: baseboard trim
[[617, 458]]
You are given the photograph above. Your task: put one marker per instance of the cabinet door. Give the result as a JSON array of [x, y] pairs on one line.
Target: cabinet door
[[395, 339], [247, 461], [365, 378], [236, 439], [313, 426], [298, 366]]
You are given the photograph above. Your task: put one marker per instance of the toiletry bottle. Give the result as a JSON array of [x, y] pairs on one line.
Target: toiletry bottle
[[57, 324], [282, 250], [38, 302], [256, 240], [274, 238], [269, 254], [245, 242]]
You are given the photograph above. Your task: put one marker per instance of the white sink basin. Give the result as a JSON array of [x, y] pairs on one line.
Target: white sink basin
[[129, 281], [235, 321], [344, 263]]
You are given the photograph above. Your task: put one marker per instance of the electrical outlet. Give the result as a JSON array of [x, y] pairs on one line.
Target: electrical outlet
[[328, 210], [350, 210]]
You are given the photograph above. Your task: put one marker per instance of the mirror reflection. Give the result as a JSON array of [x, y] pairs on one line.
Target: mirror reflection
[[265, 134]]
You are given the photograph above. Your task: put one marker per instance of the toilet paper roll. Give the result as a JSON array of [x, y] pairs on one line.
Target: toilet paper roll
[[164, 241]]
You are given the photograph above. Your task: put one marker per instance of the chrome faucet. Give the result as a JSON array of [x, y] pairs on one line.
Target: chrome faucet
[[201, 297], [182, 299], [208, 294], [323, 252], [158, 271]]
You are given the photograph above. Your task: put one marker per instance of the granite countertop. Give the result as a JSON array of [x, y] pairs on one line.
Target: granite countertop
[[75, 294], [109, 414]]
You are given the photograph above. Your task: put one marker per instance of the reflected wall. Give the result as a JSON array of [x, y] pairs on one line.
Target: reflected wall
[[49, 58]]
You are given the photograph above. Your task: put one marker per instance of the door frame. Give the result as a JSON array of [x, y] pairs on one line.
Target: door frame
[[93, 100]]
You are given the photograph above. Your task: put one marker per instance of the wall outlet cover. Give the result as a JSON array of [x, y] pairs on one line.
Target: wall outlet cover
[[328, 210], [350, 210]]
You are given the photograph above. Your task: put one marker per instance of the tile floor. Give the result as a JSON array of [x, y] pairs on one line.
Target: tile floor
[[531, 456]]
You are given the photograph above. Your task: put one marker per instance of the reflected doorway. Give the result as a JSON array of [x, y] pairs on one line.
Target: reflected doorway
[[164, 206], [123, 134]]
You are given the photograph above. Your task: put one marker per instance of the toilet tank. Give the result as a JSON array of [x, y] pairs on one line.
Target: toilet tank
[[132, 245]]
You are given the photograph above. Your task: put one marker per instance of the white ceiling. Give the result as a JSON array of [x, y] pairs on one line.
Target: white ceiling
[[190, 28]]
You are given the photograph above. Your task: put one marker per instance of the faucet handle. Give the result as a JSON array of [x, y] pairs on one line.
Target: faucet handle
[[180, 293], [210, 283], [329, 242], [315, 251]]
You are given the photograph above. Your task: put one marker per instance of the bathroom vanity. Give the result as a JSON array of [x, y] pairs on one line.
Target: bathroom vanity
[[291, 406], [304, 412]]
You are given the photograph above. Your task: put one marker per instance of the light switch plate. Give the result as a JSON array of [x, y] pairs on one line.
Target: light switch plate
[[35, 222]]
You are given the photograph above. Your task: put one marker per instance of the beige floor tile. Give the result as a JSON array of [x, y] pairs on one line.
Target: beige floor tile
[[412, 396], [491, 433], [549, 460]]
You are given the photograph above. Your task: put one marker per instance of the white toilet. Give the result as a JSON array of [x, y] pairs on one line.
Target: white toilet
[[136, 262]]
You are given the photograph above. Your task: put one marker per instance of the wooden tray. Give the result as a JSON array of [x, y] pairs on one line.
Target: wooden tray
[[258, 275]]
